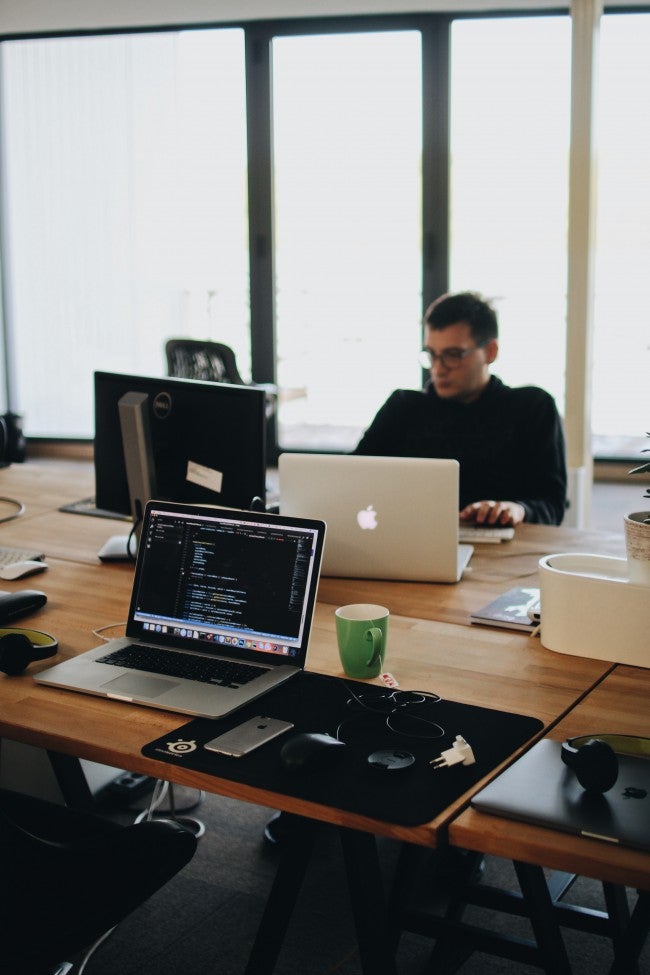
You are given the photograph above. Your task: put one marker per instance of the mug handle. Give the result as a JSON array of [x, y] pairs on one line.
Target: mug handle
[[374, 634]]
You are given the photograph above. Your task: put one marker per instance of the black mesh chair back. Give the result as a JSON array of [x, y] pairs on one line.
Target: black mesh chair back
[[68, 877], [196, 359], [213, 362]]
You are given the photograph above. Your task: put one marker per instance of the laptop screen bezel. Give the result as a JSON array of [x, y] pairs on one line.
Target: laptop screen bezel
[[134, 628]]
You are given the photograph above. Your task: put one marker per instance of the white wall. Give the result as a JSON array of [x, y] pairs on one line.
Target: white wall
[[18, 16]]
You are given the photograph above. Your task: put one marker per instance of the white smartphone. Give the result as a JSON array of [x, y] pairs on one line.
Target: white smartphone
[[247, 736]]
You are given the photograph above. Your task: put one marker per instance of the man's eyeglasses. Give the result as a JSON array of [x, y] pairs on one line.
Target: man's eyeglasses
[[449, 358]]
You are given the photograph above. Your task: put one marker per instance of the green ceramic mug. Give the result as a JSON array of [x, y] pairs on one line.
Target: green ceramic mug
[[362, 632]]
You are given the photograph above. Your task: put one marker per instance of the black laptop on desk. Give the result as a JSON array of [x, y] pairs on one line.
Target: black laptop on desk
[[220, 612], [539, 789]]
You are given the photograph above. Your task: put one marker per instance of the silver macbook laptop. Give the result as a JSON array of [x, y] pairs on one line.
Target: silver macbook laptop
[[220, 612], [540, 789], [387, 517]]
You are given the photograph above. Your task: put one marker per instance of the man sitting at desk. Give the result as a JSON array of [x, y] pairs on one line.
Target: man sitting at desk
[[509, 441]]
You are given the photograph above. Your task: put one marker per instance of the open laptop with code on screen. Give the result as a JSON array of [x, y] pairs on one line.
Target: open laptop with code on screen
[[387, 517], [220, 612]]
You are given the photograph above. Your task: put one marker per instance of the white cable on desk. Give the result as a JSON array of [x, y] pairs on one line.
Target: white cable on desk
[[20, 509]]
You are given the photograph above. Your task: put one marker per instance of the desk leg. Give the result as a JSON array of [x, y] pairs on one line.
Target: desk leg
[[366, 886], [618, 914], [540, 910], [628, 948], [282, 897]]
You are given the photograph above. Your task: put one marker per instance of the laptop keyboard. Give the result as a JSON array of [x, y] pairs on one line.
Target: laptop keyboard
[[206, 670], [483, 533]]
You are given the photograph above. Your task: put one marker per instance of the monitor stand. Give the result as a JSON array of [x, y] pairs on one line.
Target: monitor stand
[[140, 474], [119, 548]]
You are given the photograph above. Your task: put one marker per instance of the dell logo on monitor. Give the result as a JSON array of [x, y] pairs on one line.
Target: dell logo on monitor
[[162, 406]]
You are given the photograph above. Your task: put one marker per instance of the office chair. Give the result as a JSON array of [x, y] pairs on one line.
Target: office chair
[[213, 362], [197, 359], [67, 878]]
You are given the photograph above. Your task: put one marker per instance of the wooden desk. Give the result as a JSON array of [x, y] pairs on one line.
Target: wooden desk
[[619, 705], [431, 647], [458, 662], [433, 650], [45, 484], [492, 569]]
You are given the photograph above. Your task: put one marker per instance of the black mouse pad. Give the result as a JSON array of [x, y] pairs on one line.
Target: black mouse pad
[[367, 718]]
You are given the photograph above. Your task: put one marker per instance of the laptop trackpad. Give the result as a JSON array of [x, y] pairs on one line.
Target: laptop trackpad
[[139, 685]]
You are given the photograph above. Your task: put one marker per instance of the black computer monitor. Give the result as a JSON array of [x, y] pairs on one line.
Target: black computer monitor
[[207, 441]]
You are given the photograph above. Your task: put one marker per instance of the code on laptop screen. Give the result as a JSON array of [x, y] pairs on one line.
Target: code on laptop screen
[[225, 580]]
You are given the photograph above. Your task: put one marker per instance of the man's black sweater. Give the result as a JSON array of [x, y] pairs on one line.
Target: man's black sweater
[[509, 443]]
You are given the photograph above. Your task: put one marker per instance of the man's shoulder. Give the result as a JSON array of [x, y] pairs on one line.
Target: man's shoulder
[[523, 395], [535, 393], [409, 394], [408, 398]]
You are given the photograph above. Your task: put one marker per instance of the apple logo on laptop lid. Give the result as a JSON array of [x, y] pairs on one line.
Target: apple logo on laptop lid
[[367, 517]]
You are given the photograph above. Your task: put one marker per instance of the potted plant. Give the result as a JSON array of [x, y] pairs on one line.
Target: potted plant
[[637, 536]]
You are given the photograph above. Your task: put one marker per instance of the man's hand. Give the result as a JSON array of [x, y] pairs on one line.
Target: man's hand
[[493, 513]]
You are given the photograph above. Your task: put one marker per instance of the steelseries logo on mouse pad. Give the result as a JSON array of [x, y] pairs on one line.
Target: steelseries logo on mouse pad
[[177, 749], [181, 747]]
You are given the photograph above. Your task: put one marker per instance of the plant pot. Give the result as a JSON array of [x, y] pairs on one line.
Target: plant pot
[[637, 543]]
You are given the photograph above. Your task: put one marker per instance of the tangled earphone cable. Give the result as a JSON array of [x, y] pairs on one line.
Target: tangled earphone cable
[[393, 706]]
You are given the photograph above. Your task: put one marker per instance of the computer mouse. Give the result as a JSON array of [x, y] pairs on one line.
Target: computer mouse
[[16, 570], [21, 603], [309, 751], [391, 760]]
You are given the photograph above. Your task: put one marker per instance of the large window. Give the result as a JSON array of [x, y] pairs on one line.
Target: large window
[[510, 104], [621, 389], [125, 179], [392, 151], [347, 140]]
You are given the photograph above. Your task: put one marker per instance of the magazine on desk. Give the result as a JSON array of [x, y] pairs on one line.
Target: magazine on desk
[[509, 610]]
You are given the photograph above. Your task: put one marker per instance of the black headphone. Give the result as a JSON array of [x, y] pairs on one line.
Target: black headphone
[[19, 647], [593, 758], [594, 762]]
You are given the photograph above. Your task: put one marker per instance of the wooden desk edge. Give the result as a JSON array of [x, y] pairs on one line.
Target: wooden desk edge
[[425, 834], [549, 848]]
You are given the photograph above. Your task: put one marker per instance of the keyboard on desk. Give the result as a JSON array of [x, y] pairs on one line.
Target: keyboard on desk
[[205, 670], [9, 556], [478, 534]]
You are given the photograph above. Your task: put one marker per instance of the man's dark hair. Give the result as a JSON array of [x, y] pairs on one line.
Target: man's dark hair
[[466, 306]]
